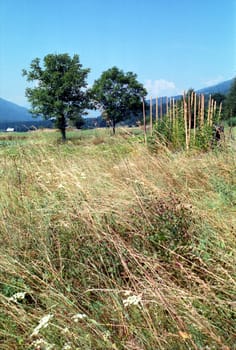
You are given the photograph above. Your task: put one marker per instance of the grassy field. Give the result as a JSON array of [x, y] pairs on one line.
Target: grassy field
[[107, 245]]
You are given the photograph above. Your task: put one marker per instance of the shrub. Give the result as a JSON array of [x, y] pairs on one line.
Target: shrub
[[232, 122]]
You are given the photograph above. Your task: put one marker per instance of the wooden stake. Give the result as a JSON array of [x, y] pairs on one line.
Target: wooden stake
[[214, 109], [189, 118], [194, 116], [220, 110], [192, 98], [173, 116], [202, 111], [209, 111], [156, 110], [171, 110], [199, 110], [185, 121], [144, 122], [173, 113], [177, 118], [151, 115], [161, 108]]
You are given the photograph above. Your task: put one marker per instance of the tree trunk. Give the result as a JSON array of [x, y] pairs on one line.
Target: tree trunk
[[63, 133], [62, 127], [113, 126]]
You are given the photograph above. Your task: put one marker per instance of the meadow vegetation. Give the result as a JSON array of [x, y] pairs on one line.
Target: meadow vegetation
[[106, 243]]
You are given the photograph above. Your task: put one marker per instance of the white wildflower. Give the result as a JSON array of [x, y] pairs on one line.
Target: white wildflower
[[65, 330], [43, 323], [60, 186], [138, 182], [41, 344], [106, 335], [17, 297], [83, 176], [78, 317], [132, 300], [127, 292], [67, 346]]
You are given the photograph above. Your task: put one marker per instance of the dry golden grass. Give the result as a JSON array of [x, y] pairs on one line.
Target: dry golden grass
[[123, 248]]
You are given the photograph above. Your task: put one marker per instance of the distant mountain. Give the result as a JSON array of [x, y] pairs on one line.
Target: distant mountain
[[222, 88], [11, 112], [18, 118]]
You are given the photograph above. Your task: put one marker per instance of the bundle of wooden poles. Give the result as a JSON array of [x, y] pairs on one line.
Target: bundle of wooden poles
[[192, 107]]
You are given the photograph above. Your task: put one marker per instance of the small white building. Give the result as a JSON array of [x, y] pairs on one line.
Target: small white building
[[10, 130]]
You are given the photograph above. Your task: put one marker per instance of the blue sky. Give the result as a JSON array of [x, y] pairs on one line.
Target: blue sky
[[171, 45]]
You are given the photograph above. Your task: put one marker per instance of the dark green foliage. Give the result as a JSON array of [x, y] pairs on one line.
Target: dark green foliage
[[117, 94], [26, 125], [60, 89], [170, 130], [170, 133], [232, 122], [204, 138], [170, 226], [78, 122], [218, 97], [231, 101], [225, 189]]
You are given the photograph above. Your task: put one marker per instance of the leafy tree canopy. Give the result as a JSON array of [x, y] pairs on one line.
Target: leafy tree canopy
[[231, 101], [218, 97], [78, 121], [117, 94], [59, 90]]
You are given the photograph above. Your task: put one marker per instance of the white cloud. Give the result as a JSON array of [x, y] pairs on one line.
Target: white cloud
[[160, 87]]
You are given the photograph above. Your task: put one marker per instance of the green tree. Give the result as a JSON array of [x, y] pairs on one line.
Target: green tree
[[59, 90], [78, 121], [117, 94], [218, 97], [231, 101]]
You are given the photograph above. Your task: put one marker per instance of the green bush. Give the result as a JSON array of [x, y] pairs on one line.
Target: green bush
[[232, 122]]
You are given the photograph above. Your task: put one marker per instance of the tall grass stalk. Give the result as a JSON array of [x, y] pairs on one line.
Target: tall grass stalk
[[114, 247]]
